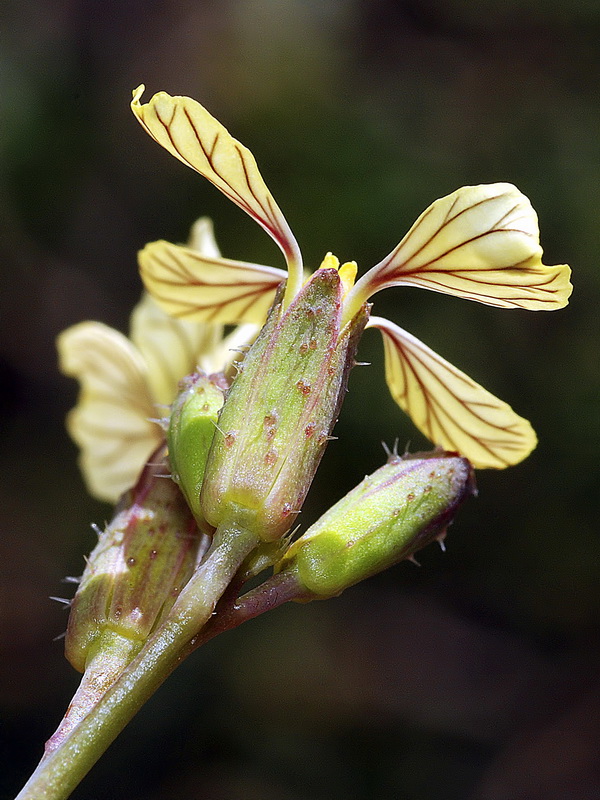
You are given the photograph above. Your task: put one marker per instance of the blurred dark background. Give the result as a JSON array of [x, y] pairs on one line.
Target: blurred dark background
[[475, 676]]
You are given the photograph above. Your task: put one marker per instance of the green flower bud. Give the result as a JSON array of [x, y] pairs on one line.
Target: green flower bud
[[191, 430], [390, 515], [280, 411], [133, 576]]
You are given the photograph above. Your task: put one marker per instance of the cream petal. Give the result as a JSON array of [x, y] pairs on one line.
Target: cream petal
[[202, 238], [480, 243], [112, 421], [187, 130], [171, 348], [199, 288], [450, 408]]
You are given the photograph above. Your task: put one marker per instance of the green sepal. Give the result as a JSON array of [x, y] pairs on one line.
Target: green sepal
[[280, 411]]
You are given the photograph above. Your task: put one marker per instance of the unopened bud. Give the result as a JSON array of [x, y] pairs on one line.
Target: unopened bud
[[135, 573], [390, 515], [191, 430], [280, 411]]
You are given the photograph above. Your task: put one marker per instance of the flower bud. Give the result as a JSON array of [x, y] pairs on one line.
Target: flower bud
[[191, 430], [280, 411], [133, 576], [390, 515]]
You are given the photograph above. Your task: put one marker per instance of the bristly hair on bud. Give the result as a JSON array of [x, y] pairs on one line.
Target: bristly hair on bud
[[132, 578]]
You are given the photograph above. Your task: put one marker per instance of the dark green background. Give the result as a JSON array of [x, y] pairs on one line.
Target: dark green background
[[475, 676]]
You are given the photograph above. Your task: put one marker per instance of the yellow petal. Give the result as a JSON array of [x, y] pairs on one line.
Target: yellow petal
[[186, 129], [189, 285], [171, 348], [449, 407], [347, 271], [111, 422], [480, 243]]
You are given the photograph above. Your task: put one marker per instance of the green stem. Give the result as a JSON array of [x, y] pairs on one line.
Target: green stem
[[111, 657], [61, 770]]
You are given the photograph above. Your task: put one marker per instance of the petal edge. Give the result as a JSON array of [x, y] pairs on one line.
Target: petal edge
[[111, 422]]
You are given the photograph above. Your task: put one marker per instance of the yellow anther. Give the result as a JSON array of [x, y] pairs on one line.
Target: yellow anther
[[348, 275], [330, 262], [347, 271]]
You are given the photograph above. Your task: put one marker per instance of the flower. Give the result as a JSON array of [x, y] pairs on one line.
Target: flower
[[480, 243], [125, 382]]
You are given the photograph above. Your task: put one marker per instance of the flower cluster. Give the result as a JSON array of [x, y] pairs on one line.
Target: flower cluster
[[480, 243], [242, 440]]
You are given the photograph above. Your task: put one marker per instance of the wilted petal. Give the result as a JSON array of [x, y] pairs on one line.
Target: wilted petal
[[171, 348], [480, 243], [186, 129], [449, 407], [190, 285], [112, 420]]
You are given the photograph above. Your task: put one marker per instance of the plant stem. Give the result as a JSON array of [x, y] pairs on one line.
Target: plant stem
[[61, 770], [232, 612]]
